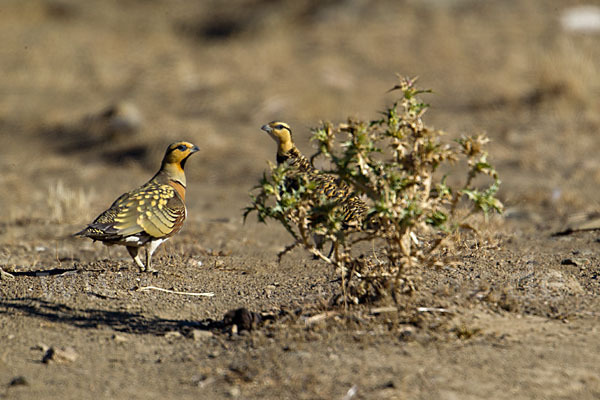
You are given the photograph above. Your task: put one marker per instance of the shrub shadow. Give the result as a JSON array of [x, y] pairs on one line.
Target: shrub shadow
[[90, 318]]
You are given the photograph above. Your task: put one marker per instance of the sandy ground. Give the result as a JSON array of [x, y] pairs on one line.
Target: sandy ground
[[514, 317]]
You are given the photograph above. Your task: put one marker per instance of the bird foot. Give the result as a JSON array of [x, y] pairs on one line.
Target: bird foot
[[149, 270]]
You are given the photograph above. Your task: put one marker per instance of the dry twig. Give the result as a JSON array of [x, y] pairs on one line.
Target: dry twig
[[146, 288]]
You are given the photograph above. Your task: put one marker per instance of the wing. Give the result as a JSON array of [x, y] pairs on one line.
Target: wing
[[154, 209], [352, 207], [354, 211], [331, 188]]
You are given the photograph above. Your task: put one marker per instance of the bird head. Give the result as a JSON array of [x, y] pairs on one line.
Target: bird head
[[281, 133], [178, 153]]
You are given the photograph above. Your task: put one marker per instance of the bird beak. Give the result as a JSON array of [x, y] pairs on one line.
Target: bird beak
[[194, 149], [266, 128]]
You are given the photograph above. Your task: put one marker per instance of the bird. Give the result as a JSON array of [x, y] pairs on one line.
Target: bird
[[353, 209], [149, 215]]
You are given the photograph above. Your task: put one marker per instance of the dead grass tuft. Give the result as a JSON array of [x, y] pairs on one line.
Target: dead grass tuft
[[66, 205]]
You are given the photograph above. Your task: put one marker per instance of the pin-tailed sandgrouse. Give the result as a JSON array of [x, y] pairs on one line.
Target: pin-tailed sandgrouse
[[149, 215], [352, 207]]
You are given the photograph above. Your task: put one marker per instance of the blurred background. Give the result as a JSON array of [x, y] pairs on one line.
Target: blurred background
[[92, 92]]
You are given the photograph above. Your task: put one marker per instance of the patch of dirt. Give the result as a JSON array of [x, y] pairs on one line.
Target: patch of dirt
[[91, 96]]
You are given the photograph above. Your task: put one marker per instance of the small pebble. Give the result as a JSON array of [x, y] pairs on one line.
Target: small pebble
[[214, 354], [60, 356], [41, 346], [199, 334], [18, 381], [119, 338], [234, 392], [575, 261], [270, 288], [172, 335]]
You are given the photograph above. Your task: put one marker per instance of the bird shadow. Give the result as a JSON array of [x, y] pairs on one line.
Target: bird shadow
[[47, 272], [91, 318]]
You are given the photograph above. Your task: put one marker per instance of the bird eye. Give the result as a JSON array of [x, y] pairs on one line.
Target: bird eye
[[182, 147], [279, 126]]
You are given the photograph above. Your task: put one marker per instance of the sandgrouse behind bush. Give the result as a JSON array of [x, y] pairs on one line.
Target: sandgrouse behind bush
[[353, 209]]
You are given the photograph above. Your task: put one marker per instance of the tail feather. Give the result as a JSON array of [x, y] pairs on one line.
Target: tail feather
[[99, 232], [82, 233]]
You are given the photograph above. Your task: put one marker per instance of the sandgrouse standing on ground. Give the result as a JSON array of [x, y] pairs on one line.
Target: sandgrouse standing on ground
[[352, 207], [149, 215]]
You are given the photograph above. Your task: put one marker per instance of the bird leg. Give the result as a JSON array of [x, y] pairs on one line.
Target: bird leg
[[319, 242], [331, 250], [134, 253], [152, 246]]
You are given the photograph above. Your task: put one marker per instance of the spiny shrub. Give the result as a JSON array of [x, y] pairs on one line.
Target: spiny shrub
[[393, 163]]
